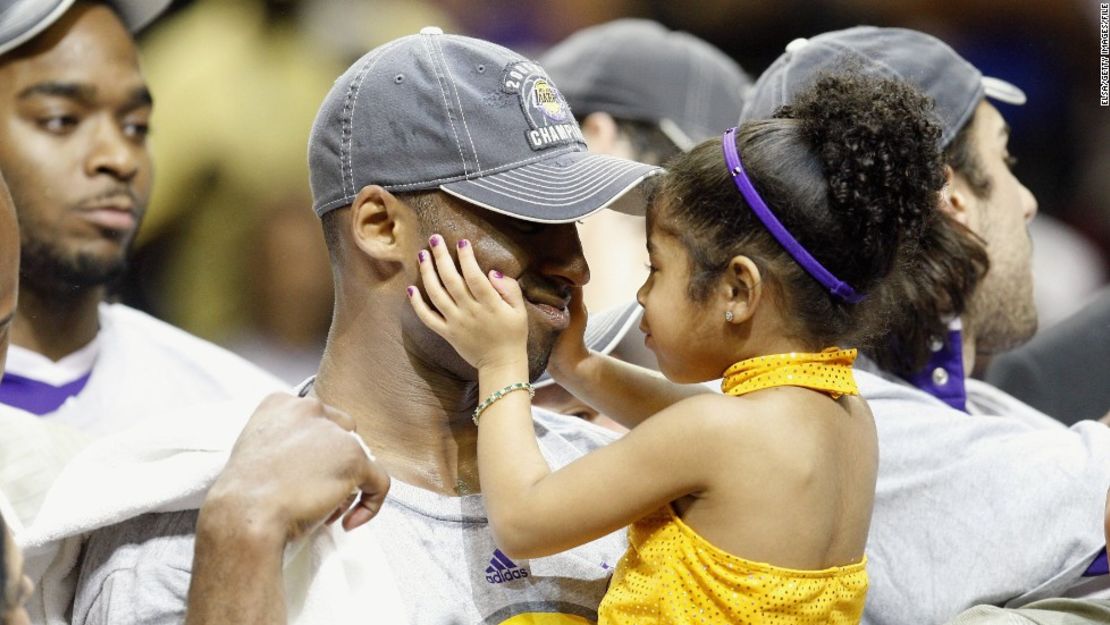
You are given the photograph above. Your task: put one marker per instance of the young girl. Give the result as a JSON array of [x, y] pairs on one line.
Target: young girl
[[747, 507]]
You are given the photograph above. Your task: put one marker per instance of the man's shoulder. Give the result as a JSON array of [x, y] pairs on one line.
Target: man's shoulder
[[879, 386], [986, 399]]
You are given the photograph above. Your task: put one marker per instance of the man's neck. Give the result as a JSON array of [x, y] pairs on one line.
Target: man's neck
[[417, 422], [56, 327], [967, 336]]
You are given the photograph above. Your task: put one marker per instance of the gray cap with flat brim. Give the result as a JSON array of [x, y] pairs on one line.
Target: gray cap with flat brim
[[465, 116], [955, 86], [22, 20]]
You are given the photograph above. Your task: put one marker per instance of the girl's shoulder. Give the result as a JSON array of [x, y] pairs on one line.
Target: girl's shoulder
[[725, 419], [751, 421]]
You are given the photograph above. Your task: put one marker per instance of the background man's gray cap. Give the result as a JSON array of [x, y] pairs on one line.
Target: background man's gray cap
[[638, 70], [21, 20], [473, 119], [604, 331], [955, 85]]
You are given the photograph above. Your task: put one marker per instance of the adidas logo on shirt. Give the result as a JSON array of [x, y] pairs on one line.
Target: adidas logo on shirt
[[501, 569]]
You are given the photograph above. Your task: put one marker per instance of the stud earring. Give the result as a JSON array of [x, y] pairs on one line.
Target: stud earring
[[729, 316]]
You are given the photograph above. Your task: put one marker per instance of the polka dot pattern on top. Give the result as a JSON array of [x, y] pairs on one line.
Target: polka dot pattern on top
[[672, 575], [829, 371]]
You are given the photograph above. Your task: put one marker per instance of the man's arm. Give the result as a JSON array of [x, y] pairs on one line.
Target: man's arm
[[237, 575], [295, 465]]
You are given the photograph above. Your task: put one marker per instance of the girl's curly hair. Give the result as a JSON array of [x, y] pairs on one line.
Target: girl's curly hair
[[852, 168]]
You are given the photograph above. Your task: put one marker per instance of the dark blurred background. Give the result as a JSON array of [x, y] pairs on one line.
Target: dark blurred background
[[230, 248]]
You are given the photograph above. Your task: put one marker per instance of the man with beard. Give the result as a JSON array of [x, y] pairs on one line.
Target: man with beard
[[74, 117], [980, 498]]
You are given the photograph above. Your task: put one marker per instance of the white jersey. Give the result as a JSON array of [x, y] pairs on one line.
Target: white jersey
[[142, 368]]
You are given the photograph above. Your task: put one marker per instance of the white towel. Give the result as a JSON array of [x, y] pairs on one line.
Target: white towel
[[167, 465]]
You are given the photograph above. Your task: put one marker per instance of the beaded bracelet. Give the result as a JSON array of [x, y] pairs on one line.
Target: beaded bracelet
[[518, 386]]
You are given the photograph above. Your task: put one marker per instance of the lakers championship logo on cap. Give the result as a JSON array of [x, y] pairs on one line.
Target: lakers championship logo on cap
[[548, 115]]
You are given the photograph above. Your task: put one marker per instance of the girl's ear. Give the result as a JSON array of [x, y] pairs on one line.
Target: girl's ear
[[741, 289]]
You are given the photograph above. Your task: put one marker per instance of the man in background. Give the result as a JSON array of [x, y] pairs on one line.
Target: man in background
[[972, 482], [75, 113]]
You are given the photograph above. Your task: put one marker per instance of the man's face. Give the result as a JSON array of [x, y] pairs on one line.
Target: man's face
[[1002, 312], [74, 114], [546, 259]]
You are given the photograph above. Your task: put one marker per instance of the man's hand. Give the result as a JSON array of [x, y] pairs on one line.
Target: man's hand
[[296, 464]]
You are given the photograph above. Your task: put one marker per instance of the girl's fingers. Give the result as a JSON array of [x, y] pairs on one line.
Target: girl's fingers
[[507, 288], [432, 286], [448, 274], [476, 281], [424, 313]]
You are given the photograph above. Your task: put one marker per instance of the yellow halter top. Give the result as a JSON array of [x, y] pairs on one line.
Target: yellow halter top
[[829, 371], [672, 575]]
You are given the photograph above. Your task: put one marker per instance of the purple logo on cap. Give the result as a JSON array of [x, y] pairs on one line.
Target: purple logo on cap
[[549, 118]]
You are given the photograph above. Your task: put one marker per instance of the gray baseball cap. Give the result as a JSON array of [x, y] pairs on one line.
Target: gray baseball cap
[[638, 70], [21, 20], [465, 116], [955, 85]]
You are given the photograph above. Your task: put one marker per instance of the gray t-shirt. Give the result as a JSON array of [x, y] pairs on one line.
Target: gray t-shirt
[[1003, 506], [447, 566]]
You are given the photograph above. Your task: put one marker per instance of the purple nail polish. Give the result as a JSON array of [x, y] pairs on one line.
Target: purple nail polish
[[421, 256], [462, 243], [498, 274], [410, 290], [435, 240]]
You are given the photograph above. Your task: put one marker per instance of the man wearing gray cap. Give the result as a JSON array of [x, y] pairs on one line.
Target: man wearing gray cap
[[430, 133], [980, 498]]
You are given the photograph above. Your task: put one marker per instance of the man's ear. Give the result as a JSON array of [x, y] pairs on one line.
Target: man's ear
[[602, 133], [379, 223], [956, 197], [741, 289]]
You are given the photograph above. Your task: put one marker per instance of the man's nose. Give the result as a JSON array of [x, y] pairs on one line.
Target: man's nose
[[562, 255], [112, 152]]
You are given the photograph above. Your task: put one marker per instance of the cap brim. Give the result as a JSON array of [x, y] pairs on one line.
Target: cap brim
[[604, 331], [1002, 91], [557, 190], [24, 20]]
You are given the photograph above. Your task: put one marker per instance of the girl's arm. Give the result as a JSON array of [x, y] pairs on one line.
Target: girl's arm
[[624, 392], [534, 512]]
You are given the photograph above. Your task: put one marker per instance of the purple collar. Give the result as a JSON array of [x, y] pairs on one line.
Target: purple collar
[[37, 397], [943, 376]]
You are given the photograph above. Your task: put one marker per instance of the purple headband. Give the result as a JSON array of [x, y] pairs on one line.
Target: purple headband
[[814, 268]]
